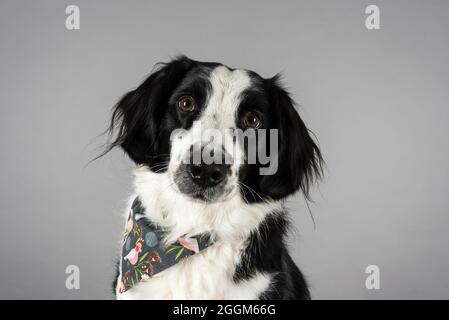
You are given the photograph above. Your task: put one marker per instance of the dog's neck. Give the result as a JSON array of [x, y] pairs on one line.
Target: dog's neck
[[231, 220]]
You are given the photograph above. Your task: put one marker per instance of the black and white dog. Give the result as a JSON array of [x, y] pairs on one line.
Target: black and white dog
[[242, 210]]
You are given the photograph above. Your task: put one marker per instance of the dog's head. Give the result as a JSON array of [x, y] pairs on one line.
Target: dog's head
[[217, 133]]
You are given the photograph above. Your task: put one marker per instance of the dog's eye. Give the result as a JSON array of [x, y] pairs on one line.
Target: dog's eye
[[251, 120], [186, 104]]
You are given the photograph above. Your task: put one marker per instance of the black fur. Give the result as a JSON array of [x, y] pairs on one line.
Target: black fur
[[116, 275], [266, 252]]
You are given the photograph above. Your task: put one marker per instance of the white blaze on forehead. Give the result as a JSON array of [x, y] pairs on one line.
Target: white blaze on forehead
[[217, 119], [223, 100]]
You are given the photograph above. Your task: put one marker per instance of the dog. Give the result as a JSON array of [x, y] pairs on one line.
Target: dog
[[239, 209]]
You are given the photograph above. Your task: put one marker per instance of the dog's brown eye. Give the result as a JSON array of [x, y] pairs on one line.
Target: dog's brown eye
[[186, 104], [252, 121]]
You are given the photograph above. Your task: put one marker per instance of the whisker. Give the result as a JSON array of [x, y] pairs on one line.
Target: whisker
[[255, 192]]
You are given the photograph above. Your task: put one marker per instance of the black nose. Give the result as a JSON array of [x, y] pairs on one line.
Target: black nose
[[207, 175]]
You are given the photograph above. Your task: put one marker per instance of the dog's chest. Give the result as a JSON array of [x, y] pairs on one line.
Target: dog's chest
[[206, 275]]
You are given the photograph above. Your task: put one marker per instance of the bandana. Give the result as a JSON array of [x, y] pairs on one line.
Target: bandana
[[143, 252]]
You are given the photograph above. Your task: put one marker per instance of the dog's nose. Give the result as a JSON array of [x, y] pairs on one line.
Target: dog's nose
[[207, 175]]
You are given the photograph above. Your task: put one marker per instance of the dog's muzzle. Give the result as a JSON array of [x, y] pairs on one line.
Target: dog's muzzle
[[201, 179]]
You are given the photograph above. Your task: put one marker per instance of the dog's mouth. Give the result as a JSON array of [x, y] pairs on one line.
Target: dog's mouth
[[207, 195]]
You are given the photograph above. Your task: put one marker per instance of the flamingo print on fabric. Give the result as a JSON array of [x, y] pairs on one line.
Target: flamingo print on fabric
[[144, 255]]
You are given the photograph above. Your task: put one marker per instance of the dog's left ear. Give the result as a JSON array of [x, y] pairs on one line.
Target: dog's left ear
[[299, 158], [137, 117]]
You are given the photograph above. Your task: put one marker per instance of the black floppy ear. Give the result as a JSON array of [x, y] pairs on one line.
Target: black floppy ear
[[137, 116], [299, 158]]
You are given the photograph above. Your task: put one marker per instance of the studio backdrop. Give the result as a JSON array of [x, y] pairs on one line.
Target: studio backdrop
[[370, 82]]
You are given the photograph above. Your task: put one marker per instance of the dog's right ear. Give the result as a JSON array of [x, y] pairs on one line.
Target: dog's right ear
[[137, 116]]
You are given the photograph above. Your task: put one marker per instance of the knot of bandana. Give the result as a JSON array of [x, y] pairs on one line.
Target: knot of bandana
[[143, 252]]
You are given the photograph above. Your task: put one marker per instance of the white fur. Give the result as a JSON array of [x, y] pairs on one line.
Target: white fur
[[208, 274]]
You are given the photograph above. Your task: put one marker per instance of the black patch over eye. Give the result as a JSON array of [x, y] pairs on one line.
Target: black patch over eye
[[251, 120], [186, 104]]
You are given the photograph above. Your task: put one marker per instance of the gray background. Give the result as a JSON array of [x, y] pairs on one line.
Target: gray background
[[377, 100]]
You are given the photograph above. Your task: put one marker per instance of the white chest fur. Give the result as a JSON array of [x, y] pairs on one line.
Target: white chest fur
[[206, 275]]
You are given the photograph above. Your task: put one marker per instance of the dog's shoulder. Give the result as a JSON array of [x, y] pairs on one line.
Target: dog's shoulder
[[266, 252]]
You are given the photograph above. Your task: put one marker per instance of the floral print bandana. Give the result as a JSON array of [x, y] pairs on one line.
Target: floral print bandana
[[143, 252]]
